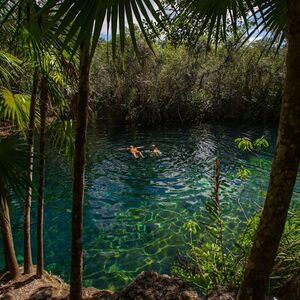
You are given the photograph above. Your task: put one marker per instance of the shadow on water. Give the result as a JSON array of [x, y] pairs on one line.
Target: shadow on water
[[135, 208]]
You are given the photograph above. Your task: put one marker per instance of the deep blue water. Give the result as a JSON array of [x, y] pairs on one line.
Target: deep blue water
[[135, 208]]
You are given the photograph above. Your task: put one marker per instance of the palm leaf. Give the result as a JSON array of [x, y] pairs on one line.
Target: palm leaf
[[62, 135], [220, 19], [14, 107], [274, 17], [87, 19], [10, 66], [29, 27]]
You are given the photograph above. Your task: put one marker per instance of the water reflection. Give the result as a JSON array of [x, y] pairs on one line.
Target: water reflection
[[135, 208]]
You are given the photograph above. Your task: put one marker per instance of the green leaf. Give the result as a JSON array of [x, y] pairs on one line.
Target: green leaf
[[14, 107]]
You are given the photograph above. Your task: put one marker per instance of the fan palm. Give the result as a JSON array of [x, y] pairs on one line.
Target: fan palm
[[14, 107], [219, 20], [9, 67]]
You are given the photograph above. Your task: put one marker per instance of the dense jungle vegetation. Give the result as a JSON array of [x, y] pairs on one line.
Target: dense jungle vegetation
[[182, 85], [174, 85]]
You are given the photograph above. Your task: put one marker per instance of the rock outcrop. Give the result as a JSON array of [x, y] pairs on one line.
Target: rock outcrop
[[153, 286]]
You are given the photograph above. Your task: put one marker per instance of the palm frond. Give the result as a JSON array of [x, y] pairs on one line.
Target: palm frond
[[55, 70], [220, 19], [62, 135], [273, 21], [10, 66], [14, 107], [83, 20], [29, 25]]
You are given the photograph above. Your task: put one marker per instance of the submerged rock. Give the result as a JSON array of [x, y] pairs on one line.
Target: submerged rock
[[153, 286]]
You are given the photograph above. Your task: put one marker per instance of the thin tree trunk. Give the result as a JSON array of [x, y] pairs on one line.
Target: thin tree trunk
[[8, 243], [283, 175], [40, 217], [27, 204], [78, 175]]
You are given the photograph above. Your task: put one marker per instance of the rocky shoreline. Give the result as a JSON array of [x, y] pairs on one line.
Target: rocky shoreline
[[146, 286]]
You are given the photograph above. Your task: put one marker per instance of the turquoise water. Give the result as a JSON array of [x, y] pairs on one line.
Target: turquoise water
[[135, 208]]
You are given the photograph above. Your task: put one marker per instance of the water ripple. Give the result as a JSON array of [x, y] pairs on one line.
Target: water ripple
[[135, 208]]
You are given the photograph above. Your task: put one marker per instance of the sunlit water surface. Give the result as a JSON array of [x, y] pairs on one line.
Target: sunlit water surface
[[135, 208]]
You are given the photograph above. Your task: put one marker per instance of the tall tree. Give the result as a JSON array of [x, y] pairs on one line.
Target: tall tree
[[79, 170], [27, 12], [30, 154], [8, 243], [284, 171], [44, 99]]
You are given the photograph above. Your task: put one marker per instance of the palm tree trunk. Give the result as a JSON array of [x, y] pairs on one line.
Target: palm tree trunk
[[40, 218], [78, 175], [8, 243], [283, 175], [27, 205]]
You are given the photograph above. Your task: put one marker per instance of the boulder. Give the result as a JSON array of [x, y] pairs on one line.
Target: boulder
[[153, 286]]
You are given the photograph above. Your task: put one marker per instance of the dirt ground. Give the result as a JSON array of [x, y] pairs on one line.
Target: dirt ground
[[146, 286], [49, 287]]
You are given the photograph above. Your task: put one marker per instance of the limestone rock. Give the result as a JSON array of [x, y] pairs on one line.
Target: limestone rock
[[153, 286]]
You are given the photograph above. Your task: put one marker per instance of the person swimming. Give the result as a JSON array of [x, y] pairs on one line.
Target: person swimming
[[154, 151], [135, 151]]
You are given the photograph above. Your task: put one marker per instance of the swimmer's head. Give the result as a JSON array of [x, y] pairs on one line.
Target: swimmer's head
[[153, 146], [131, 146]]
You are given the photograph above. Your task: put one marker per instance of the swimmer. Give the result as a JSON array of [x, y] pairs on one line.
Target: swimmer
[[154, 151], [135, 151]]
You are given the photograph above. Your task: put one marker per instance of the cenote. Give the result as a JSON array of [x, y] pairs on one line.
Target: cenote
[[135, 208]]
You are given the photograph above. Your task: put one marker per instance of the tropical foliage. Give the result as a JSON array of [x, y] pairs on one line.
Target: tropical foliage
[[219, 250], [226, 85], [211, 261]]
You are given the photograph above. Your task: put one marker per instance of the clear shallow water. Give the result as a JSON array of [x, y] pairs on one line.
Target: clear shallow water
[[135, 208]]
